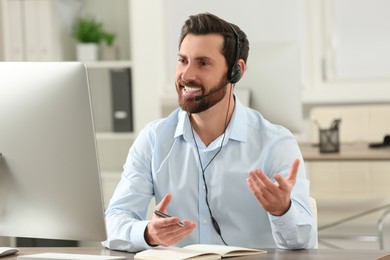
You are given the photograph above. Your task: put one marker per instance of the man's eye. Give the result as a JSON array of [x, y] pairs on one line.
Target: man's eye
[[181, 60]]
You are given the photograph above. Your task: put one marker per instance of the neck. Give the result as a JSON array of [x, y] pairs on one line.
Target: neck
[[211, 124]]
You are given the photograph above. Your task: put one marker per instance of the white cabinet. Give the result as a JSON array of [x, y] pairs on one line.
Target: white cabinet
[[13, 46], [37, 30], [32, 31]]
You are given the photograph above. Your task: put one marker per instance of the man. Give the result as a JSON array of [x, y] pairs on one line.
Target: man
[[230, 176]]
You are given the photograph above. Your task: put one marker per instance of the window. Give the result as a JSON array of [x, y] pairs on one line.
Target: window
[[360, 40], [349, 47]]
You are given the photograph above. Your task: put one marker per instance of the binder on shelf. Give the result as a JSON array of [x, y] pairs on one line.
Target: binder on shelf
[[122, 112]]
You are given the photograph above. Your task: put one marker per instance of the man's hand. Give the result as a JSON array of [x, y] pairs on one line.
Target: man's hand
[[273, 197], [166, 231]]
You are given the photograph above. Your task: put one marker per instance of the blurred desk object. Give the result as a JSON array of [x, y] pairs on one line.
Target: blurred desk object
[[275, 254], [359, 151]]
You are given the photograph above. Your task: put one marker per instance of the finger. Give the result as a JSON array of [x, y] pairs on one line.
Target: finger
[[286, 183], [166, 222], [169, 235], [178, 234], [259, 195], [292, 176], [162, 206], [263, 188], [181, 233], [259, 178], [282, 183], [264, 182], [176, 230], [256, 186], [256, 183]]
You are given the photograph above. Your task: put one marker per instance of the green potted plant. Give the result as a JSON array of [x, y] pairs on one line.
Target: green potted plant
[[88, 32], [108, 38], [109, 51]]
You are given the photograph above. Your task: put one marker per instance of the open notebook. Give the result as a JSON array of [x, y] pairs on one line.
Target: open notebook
[[198, 251]]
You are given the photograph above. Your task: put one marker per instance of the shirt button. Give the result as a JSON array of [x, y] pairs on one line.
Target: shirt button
[[204, 222], [204, 187], [281, 224]]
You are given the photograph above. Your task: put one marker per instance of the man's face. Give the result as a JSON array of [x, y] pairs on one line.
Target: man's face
[[201, 68]]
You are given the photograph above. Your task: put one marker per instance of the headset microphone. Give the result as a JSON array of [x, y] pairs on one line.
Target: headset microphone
[[197, 98]]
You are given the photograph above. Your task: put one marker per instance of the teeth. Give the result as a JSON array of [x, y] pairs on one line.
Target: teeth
[[191, 89]]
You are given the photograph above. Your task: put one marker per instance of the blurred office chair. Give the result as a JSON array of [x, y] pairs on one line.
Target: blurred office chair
[[313, 204]]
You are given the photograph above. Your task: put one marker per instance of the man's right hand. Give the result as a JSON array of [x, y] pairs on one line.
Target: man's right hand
[[166, 231]]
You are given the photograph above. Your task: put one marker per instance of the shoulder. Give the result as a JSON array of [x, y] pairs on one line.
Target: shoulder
[[163, 126], [262, 126]]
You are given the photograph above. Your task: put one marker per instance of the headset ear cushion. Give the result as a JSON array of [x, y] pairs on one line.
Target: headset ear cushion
[[236, 74]]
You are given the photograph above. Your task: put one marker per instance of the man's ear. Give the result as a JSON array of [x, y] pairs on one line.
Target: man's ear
[[242, 65]]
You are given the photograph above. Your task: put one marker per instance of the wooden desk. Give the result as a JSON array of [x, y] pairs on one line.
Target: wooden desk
[[275, 254], [348, 152]]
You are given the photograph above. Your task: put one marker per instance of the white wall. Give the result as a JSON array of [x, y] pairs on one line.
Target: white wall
[[148, 56], [261, 20]]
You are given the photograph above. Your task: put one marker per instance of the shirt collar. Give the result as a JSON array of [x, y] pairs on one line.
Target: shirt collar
[[237, 128]]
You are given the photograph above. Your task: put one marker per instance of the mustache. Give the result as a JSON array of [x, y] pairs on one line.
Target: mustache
[[190, 83]]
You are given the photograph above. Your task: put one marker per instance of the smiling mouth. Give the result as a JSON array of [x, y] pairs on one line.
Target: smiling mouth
[[190, 92], [191, 89]]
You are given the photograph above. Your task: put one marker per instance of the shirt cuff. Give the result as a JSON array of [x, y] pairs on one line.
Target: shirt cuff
[[289, 219], [137, 235]]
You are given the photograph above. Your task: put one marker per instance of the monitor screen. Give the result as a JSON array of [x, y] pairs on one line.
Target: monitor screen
[[273, 77], [49, 171]]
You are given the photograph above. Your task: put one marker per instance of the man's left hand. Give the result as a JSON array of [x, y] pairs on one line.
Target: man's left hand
[[273, 197]]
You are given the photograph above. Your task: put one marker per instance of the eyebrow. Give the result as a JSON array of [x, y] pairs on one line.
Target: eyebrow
[[200, 58]]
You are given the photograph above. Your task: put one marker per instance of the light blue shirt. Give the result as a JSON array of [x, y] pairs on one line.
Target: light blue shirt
[[164, 159]]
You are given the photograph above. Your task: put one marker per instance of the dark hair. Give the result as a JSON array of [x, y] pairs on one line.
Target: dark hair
[[206, 23]]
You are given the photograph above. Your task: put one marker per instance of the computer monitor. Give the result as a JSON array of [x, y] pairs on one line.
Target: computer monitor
[[273, 77], [49, 174]]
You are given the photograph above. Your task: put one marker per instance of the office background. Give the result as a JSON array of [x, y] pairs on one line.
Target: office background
[[334, 38]]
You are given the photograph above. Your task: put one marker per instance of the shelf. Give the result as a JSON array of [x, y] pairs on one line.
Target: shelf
[[108, 64]]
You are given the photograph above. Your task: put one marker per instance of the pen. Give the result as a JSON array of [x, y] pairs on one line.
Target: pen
[[335, 124], [163, 215], [316, 122]]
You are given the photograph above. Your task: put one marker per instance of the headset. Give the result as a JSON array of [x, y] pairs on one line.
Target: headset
[[234, 72]]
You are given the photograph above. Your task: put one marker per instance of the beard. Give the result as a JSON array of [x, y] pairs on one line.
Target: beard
[[192, 106]]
